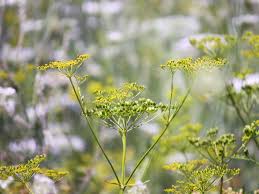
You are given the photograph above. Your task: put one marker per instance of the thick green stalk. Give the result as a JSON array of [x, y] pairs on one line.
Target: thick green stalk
[[221, 185], [26, 184], [171, 95], [222, 178], [157, 140], [123, 161], [238, 111], [28, 188], [92, 131]]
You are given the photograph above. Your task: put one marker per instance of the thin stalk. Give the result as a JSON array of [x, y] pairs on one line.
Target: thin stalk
[[24, 182], [28, 188], [169, 113], [123, 161], [239, 114], [157, 140], [171, 95], [235, 106], [222, 178], [221, 185], [92, 131]]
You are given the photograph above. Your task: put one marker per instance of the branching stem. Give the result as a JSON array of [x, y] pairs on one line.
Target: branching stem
[[123, 161], [92, 130], [158, 139]]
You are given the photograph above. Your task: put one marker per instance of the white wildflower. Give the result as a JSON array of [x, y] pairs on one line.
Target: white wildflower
[[4, 183], [43, 185], [139, 188]]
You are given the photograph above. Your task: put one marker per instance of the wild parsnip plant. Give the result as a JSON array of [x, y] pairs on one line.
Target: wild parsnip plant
[[24, 173], [252, 44], [244, 99], [179, 141], [215, 46], [217, 152], [124, 110], [198, 176], [242, 95], [242, 91], [134, 129]]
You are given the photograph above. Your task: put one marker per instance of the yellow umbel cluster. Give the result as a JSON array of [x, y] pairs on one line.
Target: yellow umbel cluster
[[191, 65], [65, 64], [24, 172], [216, 45], [191, 165], [253, 42], [117, 94]]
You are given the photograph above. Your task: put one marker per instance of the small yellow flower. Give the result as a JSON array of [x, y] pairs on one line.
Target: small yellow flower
[[65, 64], [252, 40], [3, 75], [190, 65]]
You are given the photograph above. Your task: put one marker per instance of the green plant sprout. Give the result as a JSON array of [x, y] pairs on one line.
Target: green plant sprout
[[179, 142], [252, 40], [119, 109], [191, 65], [245, 100], [123, 109], [219, 151], [215, 46], [23, 173], [198, 176]]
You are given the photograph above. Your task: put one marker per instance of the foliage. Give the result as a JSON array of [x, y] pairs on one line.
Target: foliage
[[190, 65], [219, 151], [252, 41], [214, 46], [24, 172], [120, 109], [197, 176], [40, 111], [67, 65]]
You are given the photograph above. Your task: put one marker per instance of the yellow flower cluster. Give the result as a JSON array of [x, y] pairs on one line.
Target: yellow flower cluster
[[253, 42], [3, 75], [214, 45], [198, 176], [24, 172], [189, 166], [192, 65], [117, 94], [65, 64], [53, 174], [250, 131]]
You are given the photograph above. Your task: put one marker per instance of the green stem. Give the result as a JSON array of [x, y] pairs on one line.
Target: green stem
[[239, 113], [121, 191], [232, 99], [26, 184], [158, 139], [171, 95], [92, 131], [169, 115], [123, 161], [28, 188], [221, 185], [222, 178]]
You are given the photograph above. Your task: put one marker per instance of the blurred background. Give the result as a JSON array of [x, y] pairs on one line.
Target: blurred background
[[127, 41]]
